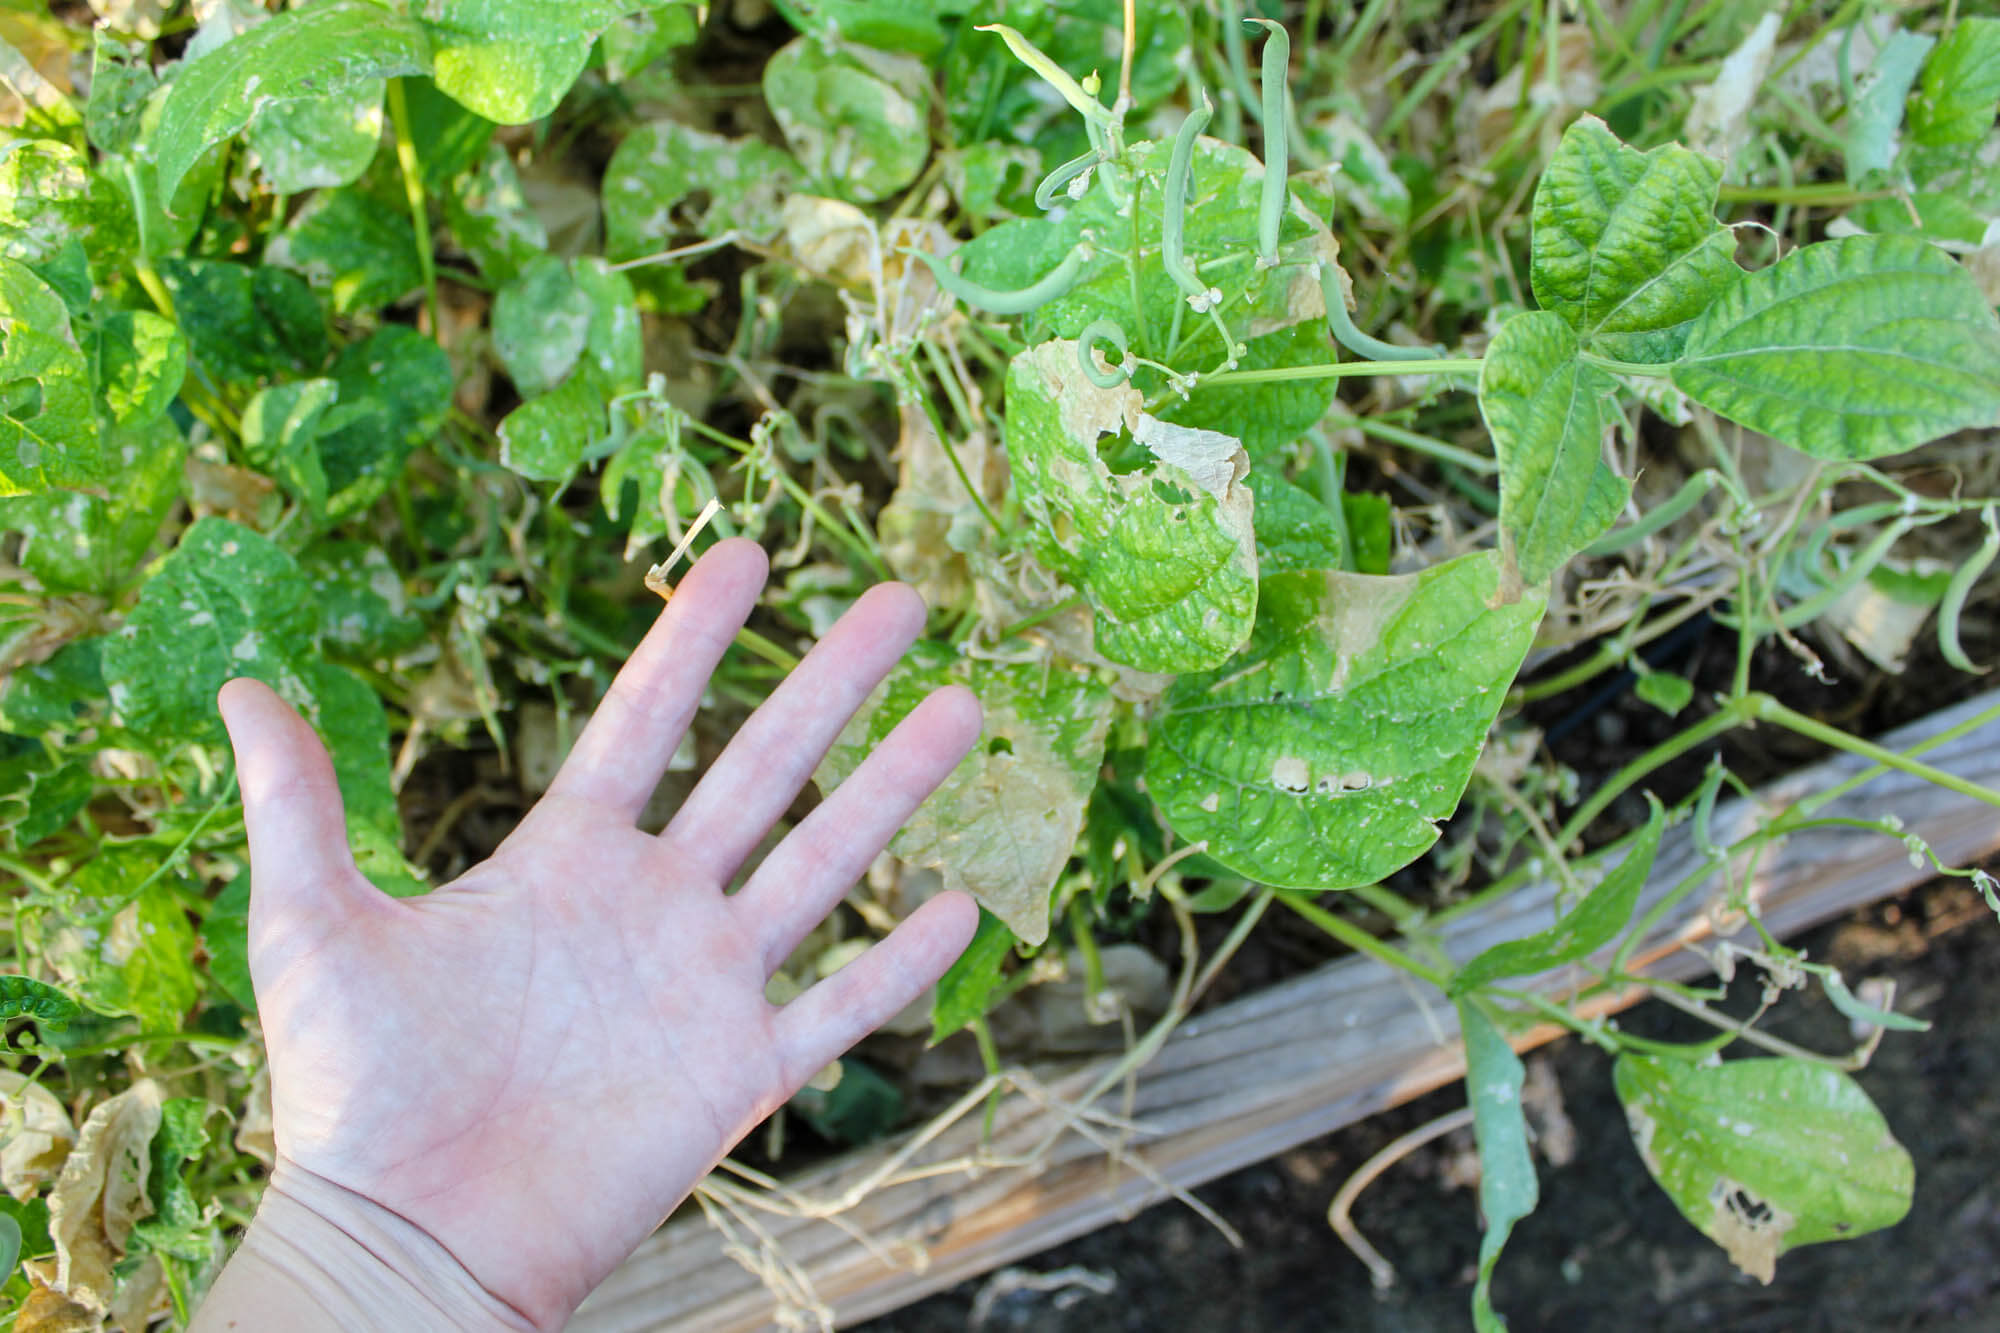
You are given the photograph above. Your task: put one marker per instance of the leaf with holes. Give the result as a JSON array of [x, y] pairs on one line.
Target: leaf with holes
[[856, 118], [1164, 553], [1626, 246], [321, 50], [48, 427], [1002, 825], [1549, 412], [1849, 349], [1764, 1156], [1324, 754]]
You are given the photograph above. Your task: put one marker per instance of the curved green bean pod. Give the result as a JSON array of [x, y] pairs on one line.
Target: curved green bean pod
[[1048, 287], [1812, 608], [1173, 211], [1277, 147], [1045, 193], [1097, 331], [1353, 339], [1960, 588], [1691, 493]]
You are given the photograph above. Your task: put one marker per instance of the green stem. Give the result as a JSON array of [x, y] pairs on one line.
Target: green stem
[[413, 190], [764, 648], [1829, 194], [1820, 800], [1730, 716], [1463, 365], [1359, 940], [1046, 613], [1422, 444], [1766, 709]]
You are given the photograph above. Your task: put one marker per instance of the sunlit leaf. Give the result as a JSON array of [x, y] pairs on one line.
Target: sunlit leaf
[[1549, 412], [1626, 246], [1849, 349], [1325, 753]]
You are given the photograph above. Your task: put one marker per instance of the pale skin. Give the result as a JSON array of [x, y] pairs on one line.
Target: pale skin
[[517, 1076]]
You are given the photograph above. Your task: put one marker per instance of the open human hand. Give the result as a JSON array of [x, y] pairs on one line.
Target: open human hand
[[535, 1063]]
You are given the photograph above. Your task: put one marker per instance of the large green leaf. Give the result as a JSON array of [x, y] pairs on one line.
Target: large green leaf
[[662, 164], [1765, 1155], [1849, 349], [76, 541], [314, 142], [228, 602], [142, 964], [1508, 1190], [1323, 755], [1961, 86], [48, 427], [323, 49], [1583, 930], [1548, 412], [858, 119], [1002, 825], [139, 360], [1165, 554], [1626, 245], [546, 438], [511, 61]]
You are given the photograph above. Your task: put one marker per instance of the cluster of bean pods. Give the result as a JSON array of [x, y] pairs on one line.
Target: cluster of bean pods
[[1073, 177]]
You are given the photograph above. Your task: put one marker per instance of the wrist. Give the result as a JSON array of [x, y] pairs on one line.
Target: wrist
[[318, 1254]]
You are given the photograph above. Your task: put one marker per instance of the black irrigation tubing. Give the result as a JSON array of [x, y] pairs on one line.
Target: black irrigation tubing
[[1662, 650]]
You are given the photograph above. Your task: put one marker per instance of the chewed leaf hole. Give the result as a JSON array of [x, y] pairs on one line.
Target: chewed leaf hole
[[21, 400]]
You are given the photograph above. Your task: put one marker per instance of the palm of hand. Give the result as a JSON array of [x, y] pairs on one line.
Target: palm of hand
[[559, 1044]]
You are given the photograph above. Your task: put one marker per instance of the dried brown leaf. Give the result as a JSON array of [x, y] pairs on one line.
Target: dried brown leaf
[[102, 1192], [38, 1135]]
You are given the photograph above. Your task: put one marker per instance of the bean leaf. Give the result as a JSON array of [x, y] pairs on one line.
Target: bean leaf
[[1165, 554], [48, 427], [1849, 349], [1961, 86], [25, 997], [320, 50], [1626, 245], [1765, 1155], [1508, 1190], [1584, 929], [1001, 827], [1324, 754], [1549, 412]]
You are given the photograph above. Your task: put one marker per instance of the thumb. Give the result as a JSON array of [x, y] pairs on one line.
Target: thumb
[[291, 800]]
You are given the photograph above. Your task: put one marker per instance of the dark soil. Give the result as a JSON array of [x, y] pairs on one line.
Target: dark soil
[[1606, 1250]]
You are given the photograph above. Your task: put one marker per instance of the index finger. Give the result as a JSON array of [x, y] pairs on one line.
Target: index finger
[[624, 748]]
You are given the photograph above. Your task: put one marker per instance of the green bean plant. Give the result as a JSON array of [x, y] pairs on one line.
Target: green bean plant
[[371, 348]]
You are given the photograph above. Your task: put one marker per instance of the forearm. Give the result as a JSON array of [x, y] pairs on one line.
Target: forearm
[[321, 1259]]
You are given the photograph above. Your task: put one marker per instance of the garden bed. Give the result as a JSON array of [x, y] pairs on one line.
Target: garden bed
[[1247, 1081]]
